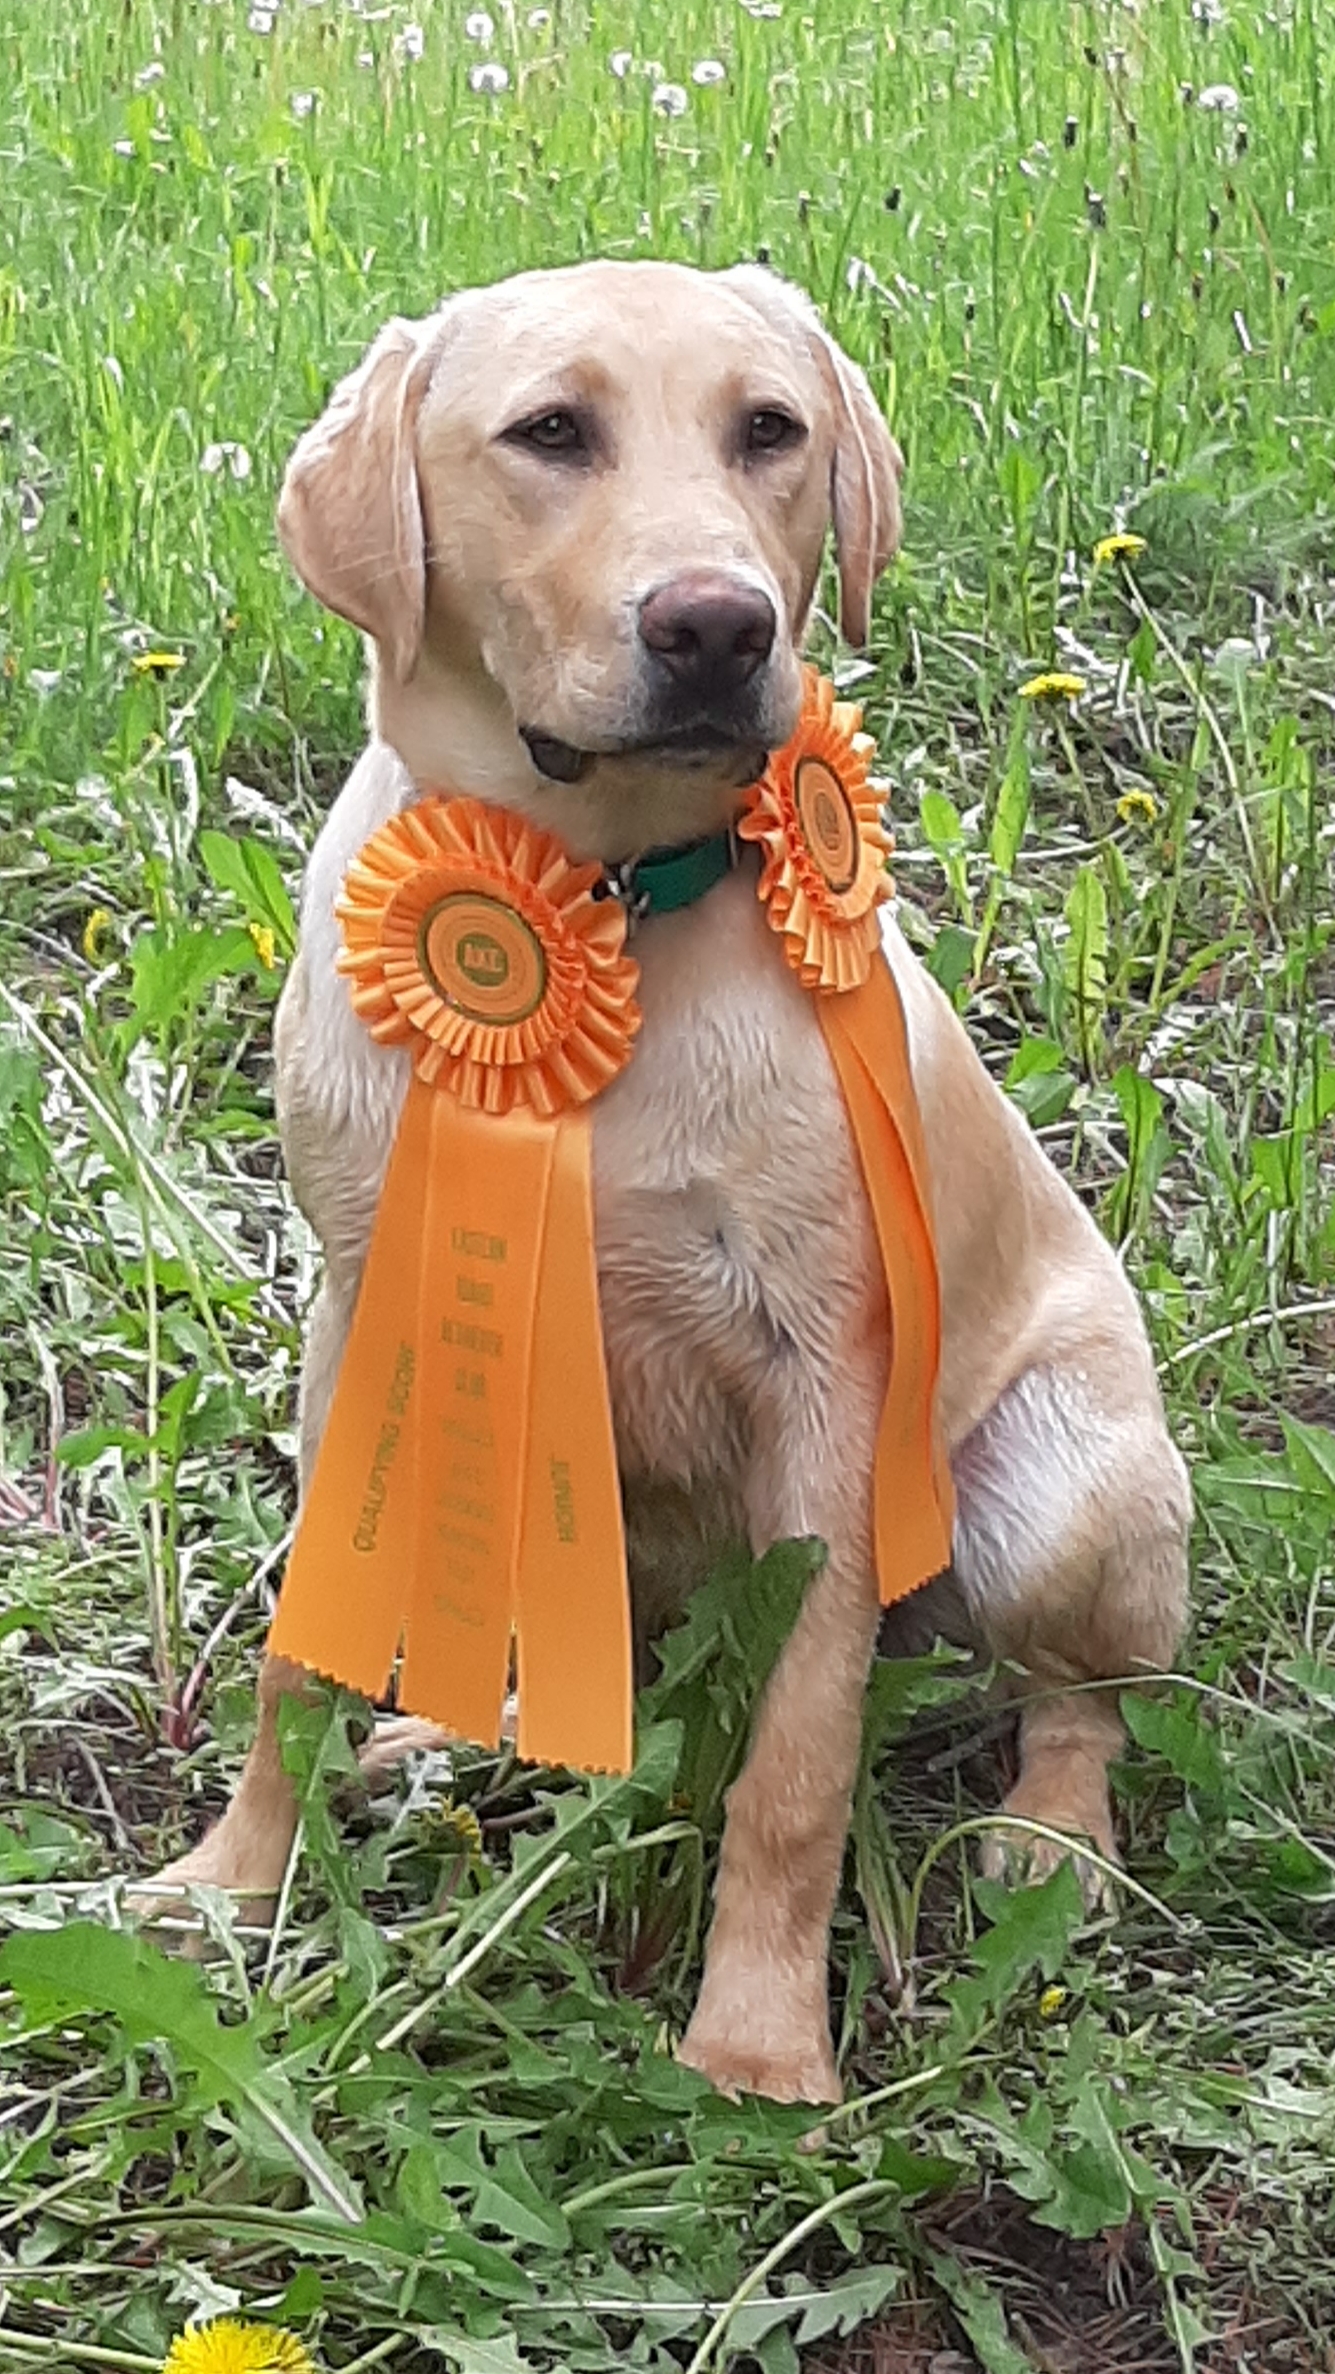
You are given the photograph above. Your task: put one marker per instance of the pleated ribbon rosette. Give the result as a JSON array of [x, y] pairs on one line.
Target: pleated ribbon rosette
[[465, 1508]]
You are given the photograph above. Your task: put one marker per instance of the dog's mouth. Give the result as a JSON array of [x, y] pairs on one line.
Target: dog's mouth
[[696, 746]]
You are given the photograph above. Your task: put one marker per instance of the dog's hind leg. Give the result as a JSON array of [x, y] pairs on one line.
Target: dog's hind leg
[[1071, 1551]]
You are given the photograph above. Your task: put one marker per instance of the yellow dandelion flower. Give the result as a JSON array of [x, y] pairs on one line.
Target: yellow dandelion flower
[[1137, 807], [228, 2347], [1121, 547], [1053, 686], [455, 1827], [1050, 2002], [157, 663], [94, 931], [265, 944]]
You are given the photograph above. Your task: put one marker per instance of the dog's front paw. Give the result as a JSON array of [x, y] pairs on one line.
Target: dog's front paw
[[737, 2060], [1023, 1858]]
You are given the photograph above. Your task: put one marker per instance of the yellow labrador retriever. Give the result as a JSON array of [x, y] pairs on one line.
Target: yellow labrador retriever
[[580, 518]]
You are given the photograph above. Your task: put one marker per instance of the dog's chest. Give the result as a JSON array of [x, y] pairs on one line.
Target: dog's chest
[[734, 1244]]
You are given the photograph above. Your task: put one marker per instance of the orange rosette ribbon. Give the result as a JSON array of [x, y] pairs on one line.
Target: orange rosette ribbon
[[816, 815], [465, 1504]]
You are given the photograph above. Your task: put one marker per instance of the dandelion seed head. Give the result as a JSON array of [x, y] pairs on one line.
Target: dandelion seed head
[[669, 98], [479, 26], [1219, 98], [302, 104], [410, 44], [538, 19], [261, 20], [620, 63], [491, 78], [151, 73], [706, 71], [228, 452]]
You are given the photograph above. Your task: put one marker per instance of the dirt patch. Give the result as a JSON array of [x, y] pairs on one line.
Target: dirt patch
[[1073, 2308]]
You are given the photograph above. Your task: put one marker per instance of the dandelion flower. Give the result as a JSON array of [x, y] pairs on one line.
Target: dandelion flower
[[1120, 547], [264, 944], [410, 44], [669, 98], [491, 78], [157, 663], [1050, 2002], [479, 26], [708, 70], [1053, 685], [228, 2347], [94, 932], [538, 19], [620, 63], [1219, 98], [1137, 807]]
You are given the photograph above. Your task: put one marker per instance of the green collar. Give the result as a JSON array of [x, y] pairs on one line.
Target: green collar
[[665, 879]]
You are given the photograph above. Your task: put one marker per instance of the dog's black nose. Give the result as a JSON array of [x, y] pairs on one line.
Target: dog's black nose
[[709, 631]]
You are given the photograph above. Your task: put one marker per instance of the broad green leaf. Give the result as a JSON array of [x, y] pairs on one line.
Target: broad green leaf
[[84, 1968], [1031, 1928], [249, 871], [982, 2315]]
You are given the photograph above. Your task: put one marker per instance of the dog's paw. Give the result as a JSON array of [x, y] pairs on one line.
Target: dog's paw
[[251, 1885], [1020, 1858], [802, 2071]]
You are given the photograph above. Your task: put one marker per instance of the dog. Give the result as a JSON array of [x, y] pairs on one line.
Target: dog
[[579, 517]]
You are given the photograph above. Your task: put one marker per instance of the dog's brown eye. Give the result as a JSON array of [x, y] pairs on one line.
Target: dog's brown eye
[[558, 431], [771, 431]]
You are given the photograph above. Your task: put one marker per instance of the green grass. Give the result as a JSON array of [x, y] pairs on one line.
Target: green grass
[[1088, 303]]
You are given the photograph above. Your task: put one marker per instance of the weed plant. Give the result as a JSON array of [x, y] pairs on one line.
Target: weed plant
[[1087, 254]]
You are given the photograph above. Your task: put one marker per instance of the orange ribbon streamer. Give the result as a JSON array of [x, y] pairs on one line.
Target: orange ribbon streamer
[[465, 1502], [466, 1488]]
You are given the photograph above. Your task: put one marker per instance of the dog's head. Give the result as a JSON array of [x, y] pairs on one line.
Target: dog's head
[[581, 515]]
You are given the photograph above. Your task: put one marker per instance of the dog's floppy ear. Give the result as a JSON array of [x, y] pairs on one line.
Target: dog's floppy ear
[[865, 473], [350, 513], [864, 493]]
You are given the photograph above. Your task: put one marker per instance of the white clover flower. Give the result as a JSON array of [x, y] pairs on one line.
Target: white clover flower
[[1219, 98], [153, 72], [302, 104], [621, 62], [410, 44], [491, 78], [538, 19], [261, 20], [235, 456], [479, 26], [669, 98], [708, 70]]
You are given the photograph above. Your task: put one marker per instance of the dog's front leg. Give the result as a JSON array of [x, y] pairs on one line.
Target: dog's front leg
[[762, 2023]]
